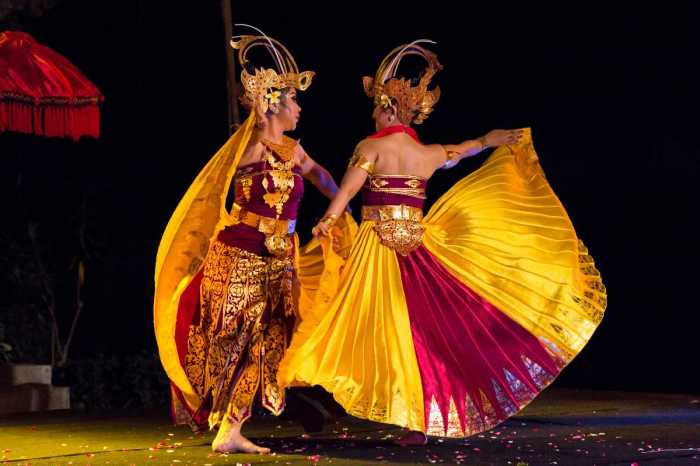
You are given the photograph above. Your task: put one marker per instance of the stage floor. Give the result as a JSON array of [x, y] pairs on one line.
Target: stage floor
[[562, 427]]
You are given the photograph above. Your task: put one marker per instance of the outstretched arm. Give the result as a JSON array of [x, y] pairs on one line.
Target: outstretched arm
[[497, 137], [355, 176], [318, 176]]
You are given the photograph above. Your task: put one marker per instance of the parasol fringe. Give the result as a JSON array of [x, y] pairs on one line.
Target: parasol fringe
[[51, 121]]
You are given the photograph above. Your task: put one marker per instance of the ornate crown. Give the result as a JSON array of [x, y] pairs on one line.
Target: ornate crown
[[262, 88], [413, 104]]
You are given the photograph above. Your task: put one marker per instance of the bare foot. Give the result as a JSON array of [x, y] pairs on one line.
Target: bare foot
[[412, 438], [233, 442]]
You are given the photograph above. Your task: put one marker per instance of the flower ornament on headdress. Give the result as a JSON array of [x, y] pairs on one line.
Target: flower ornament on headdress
[[273, 97], [262, 88], [413, 104], [385, 101]]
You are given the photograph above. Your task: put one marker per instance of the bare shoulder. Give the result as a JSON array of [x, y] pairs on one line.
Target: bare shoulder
[[251, 153], [368, 146], [435, 152]]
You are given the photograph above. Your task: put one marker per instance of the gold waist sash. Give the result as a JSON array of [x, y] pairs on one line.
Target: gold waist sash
[[381, 213], [277, 231], [267, 225]]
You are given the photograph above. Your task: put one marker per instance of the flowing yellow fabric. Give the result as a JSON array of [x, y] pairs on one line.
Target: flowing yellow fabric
[[357, 343], [312, 261], [504, 233], [195, 223]]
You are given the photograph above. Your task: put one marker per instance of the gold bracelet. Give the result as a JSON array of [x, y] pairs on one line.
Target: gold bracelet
[[329, 219]]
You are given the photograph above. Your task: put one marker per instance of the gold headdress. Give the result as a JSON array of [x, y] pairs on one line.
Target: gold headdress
[[262, 88], [413, 104]]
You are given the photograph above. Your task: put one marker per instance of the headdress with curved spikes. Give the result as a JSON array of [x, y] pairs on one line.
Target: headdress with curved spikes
[[413, 104], [262, 88]]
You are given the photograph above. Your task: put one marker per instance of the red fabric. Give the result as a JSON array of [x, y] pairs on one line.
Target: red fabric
[[370, 197], [463, 343], [395, 129], [244, 237], [42, 93], [379, 198], [188, 314]]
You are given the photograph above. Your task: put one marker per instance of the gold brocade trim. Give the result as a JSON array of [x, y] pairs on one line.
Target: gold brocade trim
[[412, 183], [377, 183], [233, 350], [403, 236], [246, 183], [398, 226], [411, 177], [393, 411], [380, 213], [265, 172], [360, 161], [277, 232], [267, 225], [595, 298]]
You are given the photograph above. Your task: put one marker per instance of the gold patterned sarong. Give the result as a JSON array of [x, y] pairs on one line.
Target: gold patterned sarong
[[246, 316]]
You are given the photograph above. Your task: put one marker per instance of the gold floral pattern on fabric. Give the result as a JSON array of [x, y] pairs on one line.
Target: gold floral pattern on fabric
[[413, 185], [398, 226], [403, 236], [377, 183], [281, 174], [377, 411], [278, 183], [245, 311], [274, 348], [245, 182]]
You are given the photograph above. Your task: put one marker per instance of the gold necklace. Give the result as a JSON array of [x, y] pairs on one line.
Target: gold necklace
[[284, 149], [281, 173]]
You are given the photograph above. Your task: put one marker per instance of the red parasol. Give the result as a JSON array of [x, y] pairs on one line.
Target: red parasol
[[43, 93]]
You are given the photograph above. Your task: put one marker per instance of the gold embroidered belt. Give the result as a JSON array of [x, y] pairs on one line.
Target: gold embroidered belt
[[398, 226], [267, 225], [380, 213], [276, 230]]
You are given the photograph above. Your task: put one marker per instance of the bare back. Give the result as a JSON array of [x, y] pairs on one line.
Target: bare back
[[399, 154]]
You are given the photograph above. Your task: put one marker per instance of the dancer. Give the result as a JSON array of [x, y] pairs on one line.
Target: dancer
[[228, 284], [450, 323]]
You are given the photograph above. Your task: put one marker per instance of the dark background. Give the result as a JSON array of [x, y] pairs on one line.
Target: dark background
[[609, 91]]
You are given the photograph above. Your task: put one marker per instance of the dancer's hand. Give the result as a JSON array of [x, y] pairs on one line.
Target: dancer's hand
[[321, 229], [499, 137]]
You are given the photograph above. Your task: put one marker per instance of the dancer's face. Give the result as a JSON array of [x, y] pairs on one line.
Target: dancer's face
[[289, 110]]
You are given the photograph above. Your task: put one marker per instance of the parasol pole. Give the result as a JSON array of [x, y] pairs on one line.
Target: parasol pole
[[234, 119]]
